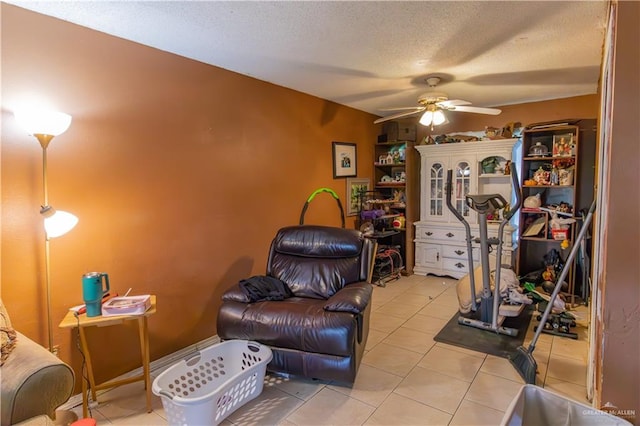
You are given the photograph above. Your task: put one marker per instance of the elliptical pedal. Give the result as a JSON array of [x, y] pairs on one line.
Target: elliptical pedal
[[508, 310]]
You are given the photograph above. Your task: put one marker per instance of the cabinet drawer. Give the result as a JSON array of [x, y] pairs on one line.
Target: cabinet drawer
[[456, 265], [441, 234], [460, 252]]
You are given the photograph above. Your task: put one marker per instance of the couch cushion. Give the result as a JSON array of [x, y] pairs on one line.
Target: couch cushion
[[316, 261], [7, 334]]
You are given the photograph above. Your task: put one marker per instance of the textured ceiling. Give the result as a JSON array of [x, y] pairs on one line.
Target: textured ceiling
[[372, 55]]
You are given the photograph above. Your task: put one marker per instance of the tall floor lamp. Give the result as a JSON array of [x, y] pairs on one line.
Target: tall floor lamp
[[45, 125]]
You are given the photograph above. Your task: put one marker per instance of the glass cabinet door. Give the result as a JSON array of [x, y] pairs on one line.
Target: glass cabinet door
[[436, 184], [462, 186]]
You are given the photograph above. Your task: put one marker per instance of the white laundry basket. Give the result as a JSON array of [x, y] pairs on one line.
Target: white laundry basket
[[534, 405], [207, 387]]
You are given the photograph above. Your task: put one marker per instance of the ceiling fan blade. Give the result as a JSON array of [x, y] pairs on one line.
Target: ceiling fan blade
[[479, 110], [398, 115], [453, 102], [417, 108]]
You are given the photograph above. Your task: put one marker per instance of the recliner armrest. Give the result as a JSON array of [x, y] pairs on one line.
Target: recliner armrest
[[235, 294], [352, 298]]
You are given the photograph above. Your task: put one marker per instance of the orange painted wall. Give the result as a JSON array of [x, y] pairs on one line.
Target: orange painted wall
[[180, 173]]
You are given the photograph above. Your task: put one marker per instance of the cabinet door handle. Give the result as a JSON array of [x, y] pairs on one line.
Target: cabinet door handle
[[459, 265], [429, 233], [438, 257], [459, 252], [449, 234]]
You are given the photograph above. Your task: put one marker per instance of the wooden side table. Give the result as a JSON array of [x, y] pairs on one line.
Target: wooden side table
[[82, 322]]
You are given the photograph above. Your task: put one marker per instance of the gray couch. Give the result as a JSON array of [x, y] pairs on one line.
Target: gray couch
[[34, 381]]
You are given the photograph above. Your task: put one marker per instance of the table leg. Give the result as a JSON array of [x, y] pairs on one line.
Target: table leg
[[85, 403], [144, 347], [92, 383]]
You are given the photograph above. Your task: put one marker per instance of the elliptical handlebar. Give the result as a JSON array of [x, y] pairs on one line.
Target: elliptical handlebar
[[516, 188], [472, 283], [448, 189]]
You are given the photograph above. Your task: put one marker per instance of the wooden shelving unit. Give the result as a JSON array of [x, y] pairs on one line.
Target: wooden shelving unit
[[397, 177]]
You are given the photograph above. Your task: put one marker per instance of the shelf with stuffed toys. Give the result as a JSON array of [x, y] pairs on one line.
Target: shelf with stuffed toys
[[549, 189]]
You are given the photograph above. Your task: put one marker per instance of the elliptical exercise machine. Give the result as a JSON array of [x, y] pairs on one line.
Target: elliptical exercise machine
[[484, 204]]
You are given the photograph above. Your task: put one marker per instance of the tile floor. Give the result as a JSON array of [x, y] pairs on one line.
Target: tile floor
[[406, 378]]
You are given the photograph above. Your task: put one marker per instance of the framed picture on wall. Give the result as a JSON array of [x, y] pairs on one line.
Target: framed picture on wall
[[355, 187], [344, 160]]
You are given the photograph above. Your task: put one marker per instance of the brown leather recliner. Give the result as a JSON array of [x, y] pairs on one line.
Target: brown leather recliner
[[321, 330]]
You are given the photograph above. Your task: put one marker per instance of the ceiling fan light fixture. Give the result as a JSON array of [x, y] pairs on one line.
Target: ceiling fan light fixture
[[426, 118], [438, 118], [432, 118]]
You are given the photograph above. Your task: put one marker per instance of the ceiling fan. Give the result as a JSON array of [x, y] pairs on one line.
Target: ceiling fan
[[433, 104]]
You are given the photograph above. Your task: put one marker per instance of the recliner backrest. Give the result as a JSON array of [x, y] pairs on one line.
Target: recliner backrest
[[316, 261]]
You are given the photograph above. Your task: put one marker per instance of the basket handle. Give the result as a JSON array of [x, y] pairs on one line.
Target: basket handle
[[253, 347], [193, 360], [166, 394]]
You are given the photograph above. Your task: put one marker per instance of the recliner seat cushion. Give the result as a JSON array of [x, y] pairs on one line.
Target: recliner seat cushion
[[294, 323]]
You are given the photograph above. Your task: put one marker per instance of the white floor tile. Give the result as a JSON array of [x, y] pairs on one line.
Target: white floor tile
[[433, 389], [452, 363], [567, 369], [410, 339], [392, 359], [501, 367], [492, 391], [270, 408], [300, 387], [372, 385], [471, 413], [400, 410], [329, 407], [434, 309]]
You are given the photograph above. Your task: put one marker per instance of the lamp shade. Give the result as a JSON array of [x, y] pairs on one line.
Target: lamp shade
[[44, 122], [438, 118], [57, 222], [434, 118], [426, 118]]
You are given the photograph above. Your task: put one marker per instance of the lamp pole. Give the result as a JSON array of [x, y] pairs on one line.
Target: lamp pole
[[44, 142], [45, 125], [47, 260]]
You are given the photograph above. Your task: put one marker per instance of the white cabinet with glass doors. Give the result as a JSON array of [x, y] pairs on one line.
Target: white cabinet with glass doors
[[435, 208], [478, 168]]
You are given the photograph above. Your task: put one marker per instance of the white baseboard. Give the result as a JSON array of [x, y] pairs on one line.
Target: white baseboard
[[159, 364]]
